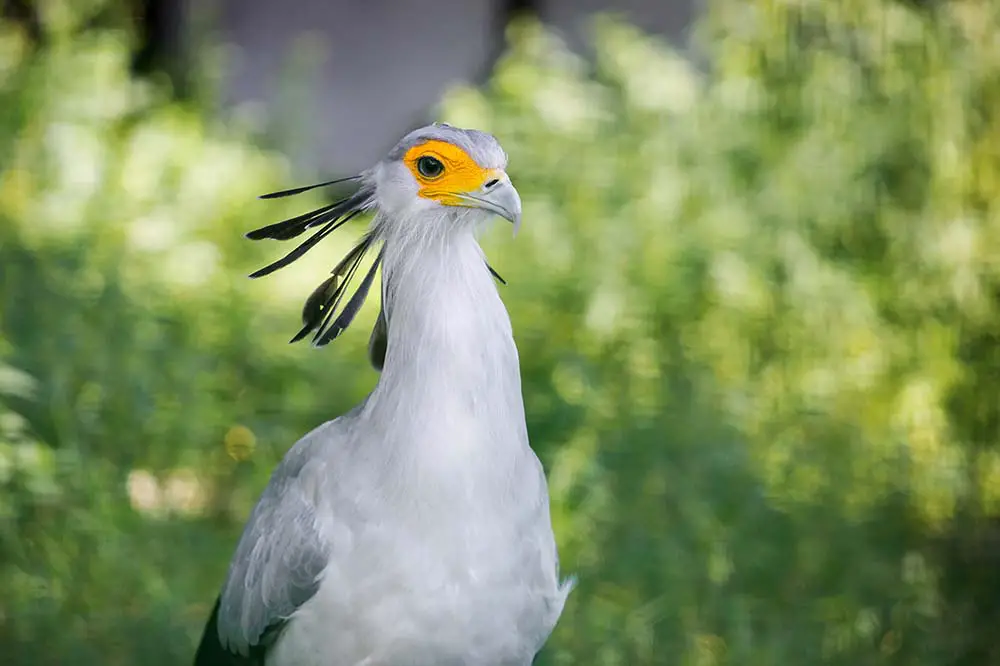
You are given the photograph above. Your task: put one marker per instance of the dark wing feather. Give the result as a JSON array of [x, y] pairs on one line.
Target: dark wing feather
[[211, 652], [277, 563]]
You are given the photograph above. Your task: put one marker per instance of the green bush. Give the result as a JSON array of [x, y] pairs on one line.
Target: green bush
[[164, 390], [756, 309], [761, 358]]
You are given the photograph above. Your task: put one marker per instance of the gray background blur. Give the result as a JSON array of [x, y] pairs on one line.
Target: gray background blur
[[382, 64]]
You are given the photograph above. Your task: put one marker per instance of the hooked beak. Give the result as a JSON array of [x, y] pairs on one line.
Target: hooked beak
[[497, 196]]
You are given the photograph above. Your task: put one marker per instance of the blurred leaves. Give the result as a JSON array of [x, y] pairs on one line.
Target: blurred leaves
[[756, 310], [157, 369], [778, 416]]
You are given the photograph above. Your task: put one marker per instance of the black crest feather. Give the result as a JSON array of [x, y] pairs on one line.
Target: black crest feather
[[328, 311]]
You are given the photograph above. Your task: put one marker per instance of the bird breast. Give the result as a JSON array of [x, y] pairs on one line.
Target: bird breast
[[437, 514], [426, 582]]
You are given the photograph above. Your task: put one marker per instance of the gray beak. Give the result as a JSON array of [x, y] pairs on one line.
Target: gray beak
[[498, 196]]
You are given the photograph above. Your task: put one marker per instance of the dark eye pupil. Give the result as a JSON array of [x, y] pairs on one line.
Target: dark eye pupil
[[429, 167]]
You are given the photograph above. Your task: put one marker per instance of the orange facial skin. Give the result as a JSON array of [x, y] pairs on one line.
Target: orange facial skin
[[461, 174]]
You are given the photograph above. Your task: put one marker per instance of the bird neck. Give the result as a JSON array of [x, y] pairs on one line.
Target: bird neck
[[450, 352]]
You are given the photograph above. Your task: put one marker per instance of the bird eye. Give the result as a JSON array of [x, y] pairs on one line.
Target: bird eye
[[429, 167]]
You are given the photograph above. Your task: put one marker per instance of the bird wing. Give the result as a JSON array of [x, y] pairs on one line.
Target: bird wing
[[211, 651], [279, 559]]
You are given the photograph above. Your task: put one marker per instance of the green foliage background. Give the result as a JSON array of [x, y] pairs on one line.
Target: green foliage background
[[758, 312]]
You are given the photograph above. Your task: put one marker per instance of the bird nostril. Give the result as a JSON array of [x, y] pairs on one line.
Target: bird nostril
[[491, 183]]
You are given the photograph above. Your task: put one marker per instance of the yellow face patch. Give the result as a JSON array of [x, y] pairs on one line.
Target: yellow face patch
[[442, 169]]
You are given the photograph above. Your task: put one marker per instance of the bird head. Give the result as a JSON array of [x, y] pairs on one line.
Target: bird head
[[443, 175], [437, 180]]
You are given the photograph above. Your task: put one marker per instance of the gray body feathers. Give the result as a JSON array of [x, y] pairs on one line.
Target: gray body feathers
[[415, 529]]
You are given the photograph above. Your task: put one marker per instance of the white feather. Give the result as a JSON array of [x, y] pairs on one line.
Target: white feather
[[436, 507]]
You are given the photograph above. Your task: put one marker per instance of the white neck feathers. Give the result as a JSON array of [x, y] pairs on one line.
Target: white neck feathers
[[451, 354]]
